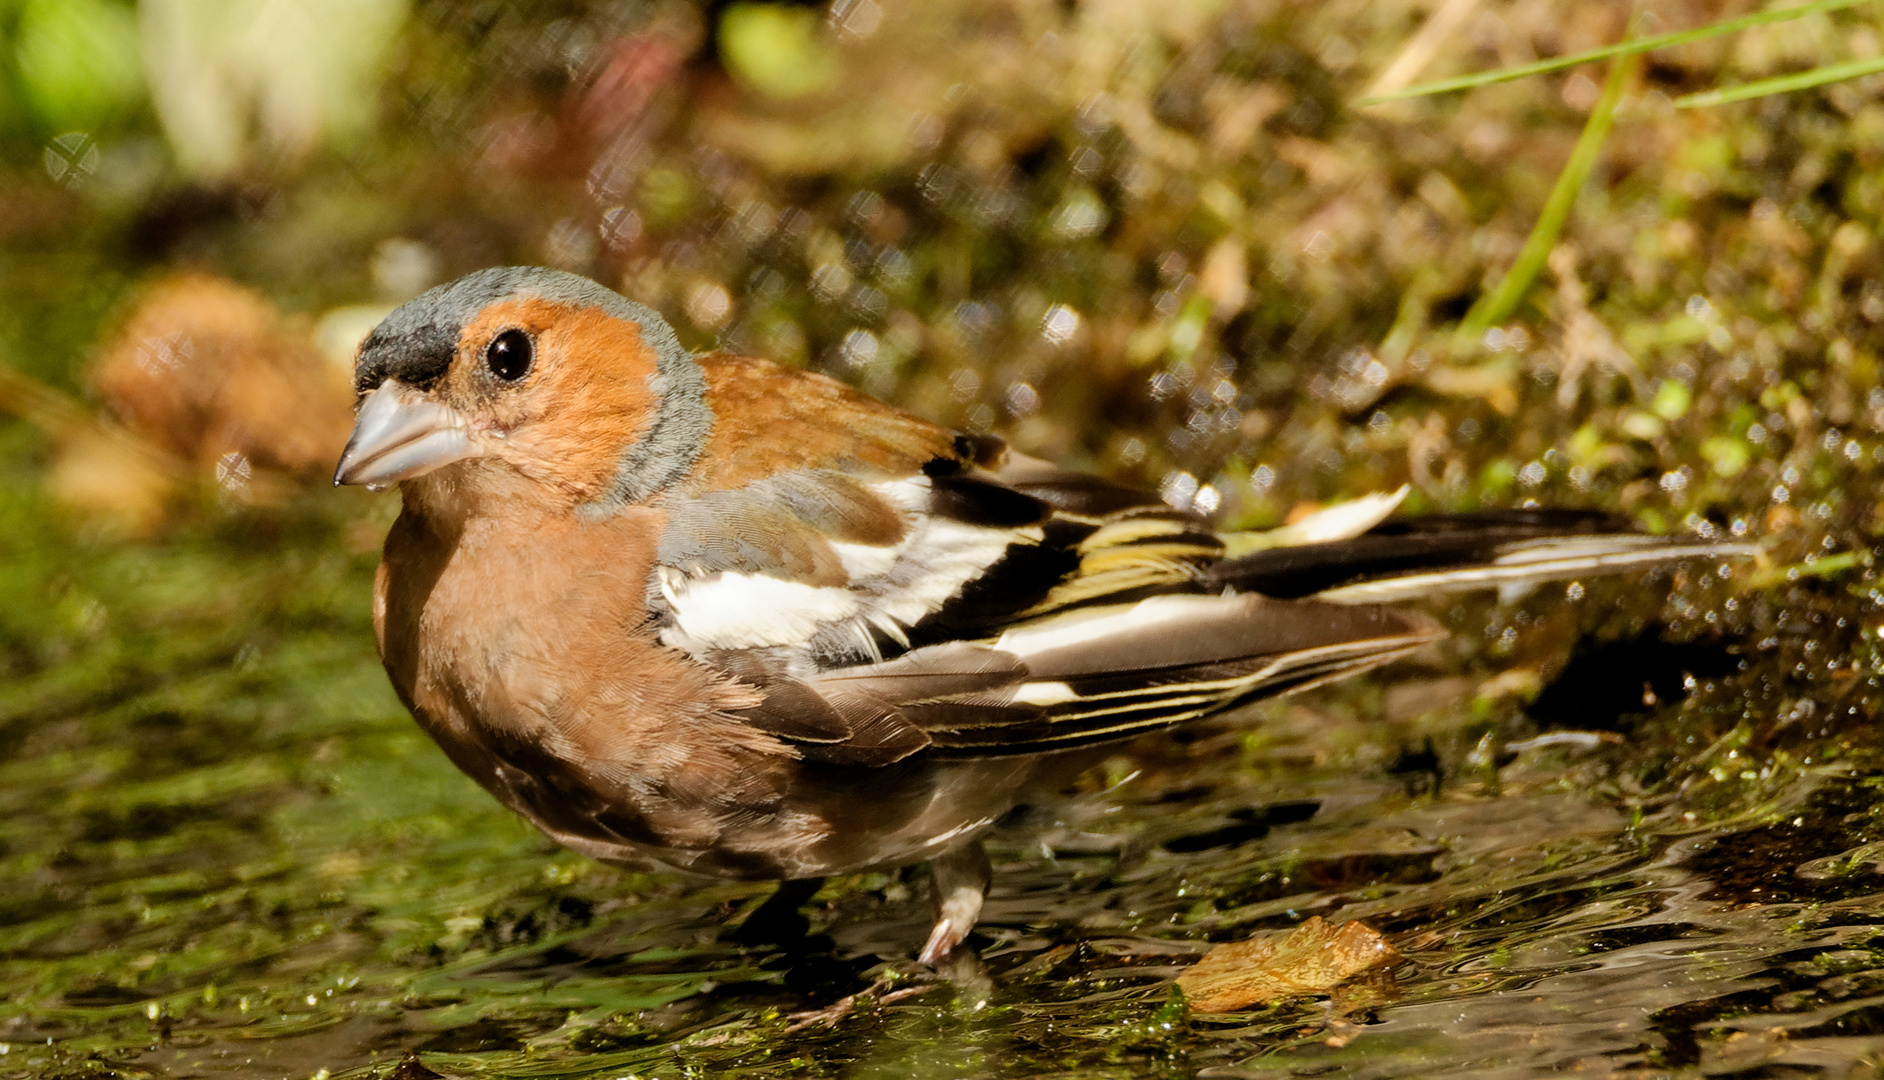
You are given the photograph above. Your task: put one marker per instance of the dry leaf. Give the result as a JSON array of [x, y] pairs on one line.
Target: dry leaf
[[1225, 276], [1495, 382], [212, 373], [1310, 959], [113, 478]]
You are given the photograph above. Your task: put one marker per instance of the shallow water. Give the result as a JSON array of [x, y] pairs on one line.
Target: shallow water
[[227, 852]]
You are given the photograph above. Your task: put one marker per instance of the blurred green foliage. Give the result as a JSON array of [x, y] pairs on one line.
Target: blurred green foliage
[[780, 50], [76, 61], [67, 65]]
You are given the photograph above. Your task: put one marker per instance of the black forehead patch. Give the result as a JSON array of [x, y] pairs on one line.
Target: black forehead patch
[[416, 343], [418, 357]]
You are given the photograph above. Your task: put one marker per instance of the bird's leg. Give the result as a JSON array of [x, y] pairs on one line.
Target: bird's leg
[[778, 920], [961, 883]]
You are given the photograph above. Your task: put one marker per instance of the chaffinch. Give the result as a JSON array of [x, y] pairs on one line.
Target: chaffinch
[[739, 619]]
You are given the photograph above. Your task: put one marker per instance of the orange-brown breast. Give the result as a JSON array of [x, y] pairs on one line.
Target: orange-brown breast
[[493, 633]]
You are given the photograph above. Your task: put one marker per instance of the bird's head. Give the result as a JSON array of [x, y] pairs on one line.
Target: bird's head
[[526, 375]]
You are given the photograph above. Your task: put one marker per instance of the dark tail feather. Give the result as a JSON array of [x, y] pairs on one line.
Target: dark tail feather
[[1534, 523], [1408, 558]]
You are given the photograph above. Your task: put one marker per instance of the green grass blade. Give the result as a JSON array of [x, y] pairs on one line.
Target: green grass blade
[[1781, 84], [1623, 48], [1497, 305]]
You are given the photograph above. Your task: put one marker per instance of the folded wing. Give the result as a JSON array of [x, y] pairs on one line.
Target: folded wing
[[1068, 680], [995, 604]]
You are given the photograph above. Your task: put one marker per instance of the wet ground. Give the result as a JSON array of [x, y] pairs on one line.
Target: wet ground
[[228, 853]]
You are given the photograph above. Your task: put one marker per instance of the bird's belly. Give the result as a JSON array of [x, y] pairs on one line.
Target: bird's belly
[[838, 821]]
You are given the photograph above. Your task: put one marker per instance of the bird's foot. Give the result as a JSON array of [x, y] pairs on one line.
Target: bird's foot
[[961, 883], [877, 993]]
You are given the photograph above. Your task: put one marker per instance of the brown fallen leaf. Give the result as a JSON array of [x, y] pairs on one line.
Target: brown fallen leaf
[[212, 373], [115, 479], [1310, 959]]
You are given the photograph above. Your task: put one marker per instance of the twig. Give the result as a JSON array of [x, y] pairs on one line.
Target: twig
[[1420, 49], [63, 417]]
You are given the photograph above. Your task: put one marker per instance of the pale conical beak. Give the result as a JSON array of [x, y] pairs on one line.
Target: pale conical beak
[[400, 434]]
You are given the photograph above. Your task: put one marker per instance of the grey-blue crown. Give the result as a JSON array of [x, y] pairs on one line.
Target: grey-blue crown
[[415, 344]]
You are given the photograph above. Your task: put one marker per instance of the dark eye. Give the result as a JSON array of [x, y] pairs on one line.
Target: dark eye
[[509, 355]]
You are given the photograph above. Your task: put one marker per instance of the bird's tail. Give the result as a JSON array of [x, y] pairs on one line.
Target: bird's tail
[[1409, 558]]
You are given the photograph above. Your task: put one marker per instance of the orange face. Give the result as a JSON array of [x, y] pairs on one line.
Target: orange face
[[558, 393], [556, 398]]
